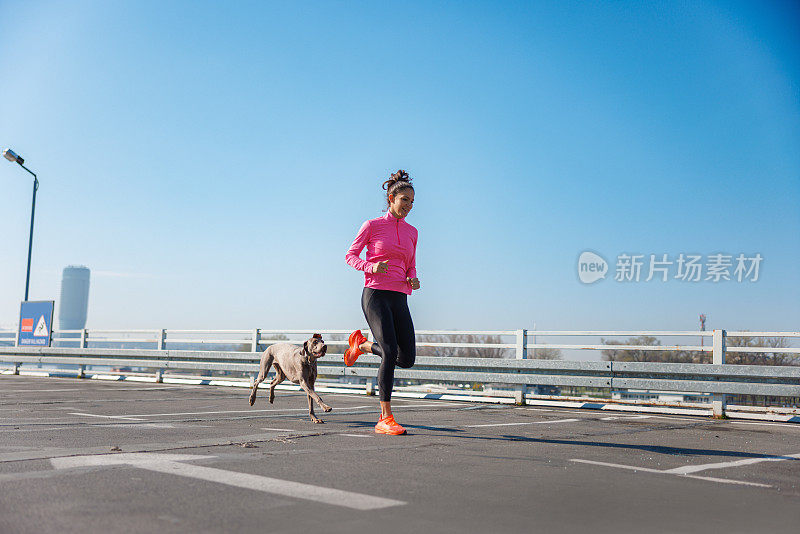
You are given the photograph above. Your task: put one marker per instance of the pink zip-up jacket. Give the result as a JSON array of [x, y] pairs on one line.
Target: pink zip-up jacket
[[391, 240]]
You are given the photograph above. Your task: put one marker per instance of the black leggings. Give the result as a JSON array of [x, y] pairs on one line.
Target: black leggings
[[390, 322]]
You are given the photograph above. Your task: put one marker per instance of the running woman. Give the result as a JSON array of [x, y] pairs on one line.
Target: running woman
[[390, 275]]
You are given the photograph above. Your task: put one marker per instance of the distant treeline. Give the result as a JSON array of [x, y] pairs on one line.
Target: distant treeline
[[688, 356]]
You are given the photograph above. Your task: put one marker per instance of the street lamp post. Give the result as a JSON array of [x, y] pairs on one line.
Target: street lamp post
[[12, 157]]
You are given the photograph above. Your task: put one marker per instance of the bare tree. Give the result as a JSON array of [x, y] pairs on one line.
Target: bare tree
[[639, 355], [544, 354], [476, 352], [759, 358], [687, 356], [463, 352]]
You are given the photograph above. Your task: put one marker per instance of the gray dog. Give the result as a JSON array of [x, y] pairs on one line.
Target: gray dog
[[298, 364]]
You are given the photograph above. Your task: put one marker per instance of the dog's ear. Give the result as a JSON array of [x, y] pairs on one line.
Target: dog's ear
[[318, 336], [305, 347]]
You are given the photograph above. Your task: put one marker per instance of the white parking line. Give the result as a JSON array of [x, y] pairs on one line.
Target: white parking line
[[671, 472], [172, 464], [279, 429], [221, 412], [214, 412], [15, 391], [728, 481], [123, 417], [143, 425], [526, 423], [784, 425], [686, 469], [286, 488], [404, 404], [620, 466], [357, 435], [624, 417]]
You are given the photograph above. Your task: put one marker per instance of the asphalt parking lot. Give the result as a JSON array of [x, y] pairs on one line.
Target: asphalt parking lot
[[94, 456]]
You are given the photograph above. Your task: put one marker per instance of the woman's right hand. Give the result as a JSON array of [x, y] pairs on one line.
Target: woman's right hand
[[380, 267]]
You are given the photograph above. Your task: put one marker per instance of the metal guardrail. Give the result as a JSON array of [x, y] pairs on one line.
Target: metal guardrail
[[717, 378], [483, 370], [524, 341]]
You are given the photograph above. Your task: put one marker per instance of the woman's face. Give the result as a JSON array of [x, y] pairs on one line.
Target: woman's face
[[400, 204]]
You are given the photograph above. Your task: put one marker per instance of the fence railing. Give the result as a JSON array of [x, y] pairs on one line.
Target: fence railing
[[163, 350]]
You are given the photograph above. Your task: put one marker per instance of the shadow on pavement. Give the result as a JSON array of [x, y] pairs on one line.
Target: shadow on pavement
[[674, 451], [658, 449]]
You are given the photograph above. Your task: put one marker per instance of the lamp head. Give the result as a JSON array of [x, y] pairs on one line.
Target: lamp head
[[10, 155]]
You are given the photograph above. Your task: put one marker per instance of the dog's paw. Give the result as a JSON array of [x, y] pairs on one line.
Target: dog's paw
[[319, 421], [326, 408], [252, 400]]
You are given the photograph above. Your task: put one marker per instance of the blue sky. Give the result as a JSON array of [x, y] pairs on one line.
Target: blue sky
[[212, 161]]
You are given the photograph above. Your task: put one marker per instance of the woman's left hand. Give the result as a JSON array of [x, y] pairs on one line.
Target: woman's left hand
[[414, 282]]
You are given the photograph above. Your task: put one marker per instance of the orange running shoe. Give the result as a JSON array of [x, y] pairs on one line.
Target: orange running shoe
[[388, 425], [353, 352]]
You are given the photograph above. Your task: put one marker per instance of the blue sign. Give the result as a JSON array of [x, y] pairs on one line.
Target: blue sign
[[36, 322]]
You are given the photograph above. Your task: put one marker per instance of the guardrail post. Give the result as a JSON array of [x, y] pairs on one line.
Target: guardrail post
[[16, 367], [82, 371], [256, 337], [718, 401], [159, 376], [162, 339], [84, 338], [521, 354], [522, 344]]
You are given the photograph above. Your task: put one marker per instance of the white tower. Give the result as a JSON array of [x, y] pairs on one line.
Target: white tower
[[74, 302]]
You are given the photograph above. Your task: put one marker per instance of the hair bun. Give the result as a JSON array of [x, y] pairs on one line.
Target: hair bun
[[399, 176]]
